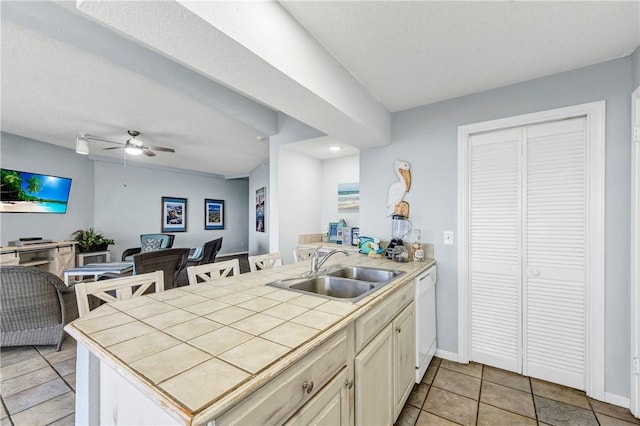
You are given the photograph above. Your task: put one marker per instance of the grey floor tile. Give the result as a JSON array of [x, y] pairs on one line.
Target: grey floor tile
[[451, 406], [48, 412], [15, 354], [506, 378], [472, 369], [22, 367], [65, 367], [430, 374], [33, 396], [418, 395], [429, 419], [605, 420], [489, 415], [28, 380], [560, 393], [459, 383], [613, 411], [408, 416], [508, 399], [69, 420], [558, 413]]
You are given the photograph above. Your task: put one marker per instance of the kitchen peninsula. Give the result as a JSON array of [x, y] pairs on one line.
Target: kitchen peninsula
[[236, 351]]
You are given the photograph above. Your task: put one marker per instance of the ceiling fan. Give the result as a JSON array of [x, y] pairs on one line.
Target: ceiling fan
[[132, 146]]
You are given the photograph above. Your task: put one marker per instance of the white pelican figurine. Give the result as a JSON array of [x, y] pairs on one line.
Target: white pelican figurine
[[399, 188]]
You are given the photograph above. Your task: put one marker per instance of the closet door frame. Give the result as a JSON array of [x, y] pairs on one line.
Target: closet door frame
[[595, 165], [635, 253]]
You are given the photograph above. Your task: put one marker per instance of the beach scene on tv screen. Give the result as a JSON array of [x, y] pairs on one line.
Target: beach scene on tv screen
[[23, 192]]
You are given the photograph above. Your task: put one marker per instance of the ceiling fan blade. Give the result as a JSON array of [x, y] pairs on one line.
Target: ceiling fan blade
[[113, 147], [148, 153], [160, 148]]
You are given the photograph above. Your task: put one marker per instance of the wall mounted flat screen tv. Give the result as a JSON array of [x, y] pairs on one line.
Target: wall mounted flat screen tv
[[24, 192]]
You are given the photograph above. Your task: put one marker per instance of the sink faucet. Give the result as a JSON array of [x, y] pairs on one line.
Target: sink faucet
[[315, 265]]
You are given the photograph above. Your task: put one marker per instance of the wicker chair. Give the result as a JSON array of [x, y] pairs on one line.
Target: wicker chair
[[169, 261], [36, 305]]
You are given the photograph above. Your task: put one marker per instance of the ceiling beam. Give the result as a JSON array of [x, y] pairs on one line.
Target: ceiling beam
[[259, 50]]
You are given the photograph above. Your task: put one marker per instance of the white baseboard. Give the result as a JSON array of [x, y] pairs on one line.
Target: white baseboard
[[231, 254], [614, 399], [451, 356]]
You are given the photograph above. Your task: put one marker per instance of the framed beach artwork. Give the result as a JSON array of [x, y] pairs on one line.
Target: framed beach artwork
[[260, 207], [349, 196], [333, 232], [213, 214], [174, 214]]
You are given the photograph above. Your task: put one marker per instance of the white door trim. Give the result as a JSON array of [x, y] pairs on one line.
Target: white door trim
[[595, 115], [634, 402]]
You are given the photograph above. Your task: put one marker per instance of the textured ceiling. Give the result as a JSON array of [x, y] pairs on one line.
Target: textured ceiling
[[213, 78], [411, 53]]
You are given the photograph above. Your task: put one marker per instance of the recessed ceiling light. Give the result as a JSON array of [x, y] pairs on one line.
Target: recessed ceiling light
[[334, 148]]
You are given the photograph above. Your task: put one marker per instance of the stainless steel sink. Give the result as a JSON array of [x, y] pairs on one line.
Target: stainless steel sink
[[333, 287], [348, 284], [361, 273]]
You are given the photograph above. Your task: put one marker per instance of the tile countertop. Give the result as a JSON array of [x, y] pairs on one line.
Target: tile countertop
[[198, 350]]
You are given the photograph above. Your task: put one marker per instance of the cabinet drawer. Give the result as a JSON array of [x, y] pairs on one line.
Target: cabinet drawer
[[66, 249], [370, 324], [276, 400], [9, 259]]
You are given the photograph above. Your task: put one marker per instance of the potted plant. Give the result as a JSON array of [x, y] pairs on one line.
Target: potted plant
[[90, 240]]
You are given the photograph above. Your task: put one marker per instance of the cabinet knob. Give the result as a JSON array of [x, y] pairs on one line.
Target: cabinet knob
[[348, 383], [307, 386], [398, 329], [536, 272]]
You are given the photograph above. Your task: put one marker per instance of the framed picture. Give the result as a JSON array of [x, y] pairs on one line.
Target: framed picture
[[213, 214], [261, 219], [349, 196], [174, 214], [333, 232]]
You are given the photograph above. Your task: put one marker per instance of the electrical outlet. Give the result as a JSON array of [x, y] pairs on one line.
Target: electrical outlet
[[448, 237]]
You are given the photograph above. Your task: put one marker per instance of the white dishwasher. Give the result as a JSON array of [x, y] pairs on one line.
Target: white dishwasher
[[425, 301]]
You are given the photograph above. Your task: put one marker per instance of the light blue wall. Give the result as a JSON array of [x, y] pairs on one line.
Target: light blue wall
[[98, 198], [427, 137], [635, 69], [28, 155], [126, 212]]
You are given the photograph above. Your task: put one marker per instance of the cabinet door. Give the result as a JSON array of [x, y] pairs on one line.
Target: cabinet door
[[404, 338], [329, 407], [65, 258], [374, 380], [9, 259]]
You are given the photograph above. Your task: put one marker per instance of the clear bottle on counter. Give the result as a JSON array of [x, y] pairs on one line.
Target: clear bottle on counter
[[418, 252]]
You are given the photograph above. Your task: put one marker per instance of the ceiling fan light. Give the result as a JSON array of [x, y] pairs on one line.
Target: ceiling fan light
[[133, 150], [82, 145]]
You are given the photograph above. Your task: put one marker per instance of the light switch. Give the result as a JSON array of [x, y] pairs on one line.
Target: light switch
[[448, 237]]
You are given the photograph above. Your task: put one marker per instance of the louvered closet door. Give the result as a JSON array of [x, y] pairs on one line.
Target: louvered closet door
[[554, 287], [495, 255]]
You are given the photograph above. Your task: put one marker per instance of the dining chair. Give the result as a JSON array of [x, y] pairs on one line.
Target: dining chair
[[149, 242], [303, 254], [213, 271], [169, 261], [116, 289], [265, 261]]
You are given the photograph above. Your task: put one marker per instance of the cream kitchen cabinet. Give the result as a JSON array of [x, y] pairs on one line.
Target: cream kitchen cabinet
[[330, 406], [309, 381], [374, 380], [404, 333], [385, 367]]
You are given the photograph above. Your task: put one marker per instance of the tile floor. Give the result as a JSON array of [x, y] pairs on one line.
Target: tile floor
[[38, 388], [476, 394]]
